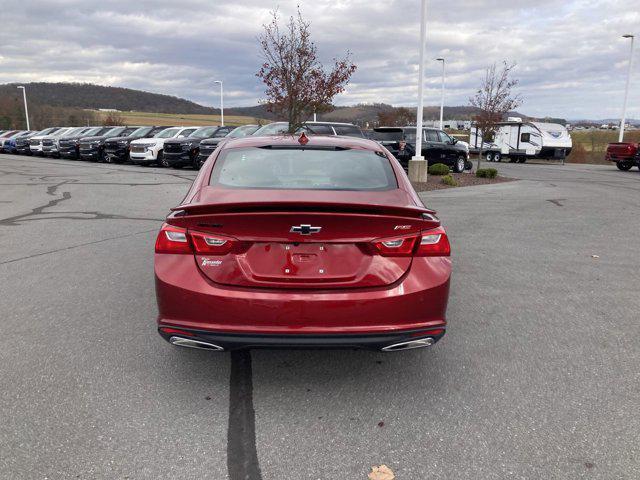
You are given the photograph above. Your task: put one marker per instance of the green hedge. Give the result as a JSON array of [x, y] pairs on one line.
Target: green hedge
[[438, 169], [449, 180], [486, 173]]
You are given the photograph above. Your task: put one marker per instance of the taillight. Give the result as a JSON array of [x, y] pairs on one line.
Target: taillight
[[396, 247], [211, 244], [434, 243], [172, 240], [430, 243]]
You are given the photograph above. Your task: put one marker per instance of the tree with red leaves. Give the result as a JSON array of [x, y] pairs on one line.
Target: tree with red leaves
[[297, 84]]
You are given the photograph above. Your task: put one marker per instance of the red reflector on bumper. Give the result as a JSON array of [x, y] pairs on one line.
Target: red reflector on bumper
[[175, 331]]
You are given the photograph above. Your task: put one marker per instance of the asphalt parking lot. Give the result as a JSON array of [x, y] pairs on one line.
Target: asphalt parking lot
[[537, 378]]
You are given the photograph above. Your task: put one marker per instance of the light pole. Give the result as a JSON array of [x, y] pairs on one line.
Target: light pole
[[442, 94], [418, 165], [221, 103], [26, 110], [626, 90]]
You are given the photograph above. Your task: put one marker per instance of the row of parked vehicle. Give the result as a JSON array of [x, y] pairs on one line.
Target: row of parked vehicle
[[173, 146], [163, 145]]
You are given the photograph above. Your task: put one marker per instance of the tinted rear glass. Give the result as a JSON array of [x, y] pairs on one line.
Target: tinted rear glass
[[272, 129], [348, 131], [303, 169], [388, 135], [204, 132]]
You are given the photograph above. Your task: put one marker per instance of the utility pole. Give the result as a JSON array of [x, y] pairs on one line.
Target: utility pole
[[221, 103], [26, 110], [418, 165], [626, 89], [442, 94]]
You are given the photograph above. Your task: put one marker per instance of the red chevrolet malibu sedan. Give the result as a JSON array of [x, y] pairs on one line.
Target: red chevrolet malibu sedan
[[302, 242]]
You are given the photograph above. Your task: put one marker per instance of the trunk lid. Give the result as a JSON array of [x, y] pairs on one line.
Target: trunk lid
[[310, 243]]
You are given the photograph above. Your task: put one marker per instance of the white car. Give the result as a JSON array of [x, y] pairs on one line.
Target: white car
[[149, 150], [35, 143]]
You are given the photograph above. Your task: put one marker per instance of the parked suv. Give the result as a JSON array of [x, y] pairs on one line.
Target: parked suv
[[7, 144], [437, 146], [179, 152], [208, 145], [117, 149], [147, 151], [69, 145], [92, 148], [23, 144], [35, 142], [51, 143]]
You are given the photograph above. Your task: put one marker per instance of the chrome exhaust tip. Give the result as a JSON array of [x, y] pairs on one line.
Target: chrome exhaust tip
[[190, 343], [421, 343]]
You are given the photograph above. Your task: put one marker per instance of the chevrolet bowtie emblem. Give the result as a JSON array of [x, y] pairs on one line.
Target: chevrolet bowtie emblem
[[305, 229]]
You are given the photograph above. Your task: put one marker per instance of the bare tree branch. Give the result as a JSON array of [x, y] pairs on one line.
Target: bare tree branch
[[296, 82], [494, 99]]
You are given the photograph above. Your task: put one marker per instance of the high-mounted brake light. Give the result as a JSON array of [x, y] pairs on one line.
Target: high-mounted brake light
[[431, 243], [303, 139]]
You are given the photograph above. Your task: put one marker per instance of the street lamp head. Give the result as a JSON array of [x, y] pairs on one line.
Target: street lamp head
[[217, 81], [627, 35], [20, 86], [440, 59]]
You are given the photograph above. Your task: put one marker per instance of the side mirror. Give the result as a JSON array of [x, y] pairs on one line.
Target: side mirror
[[454, 141]]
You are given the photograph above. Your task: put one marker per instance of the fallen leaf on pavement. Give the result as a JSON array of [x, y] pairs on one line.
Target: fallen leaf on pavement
[[381, 473]]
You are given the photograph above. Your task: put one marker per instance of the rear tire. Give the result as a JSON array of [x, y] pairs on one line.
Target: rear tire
[[489, 157], [497, 157], [623, 166], [522, 160], [458, 166]]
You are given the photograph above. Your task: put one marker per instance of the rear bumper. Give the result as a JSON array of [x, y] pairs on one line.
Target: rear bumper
[[244, 341], [612, 157], [188, 300]]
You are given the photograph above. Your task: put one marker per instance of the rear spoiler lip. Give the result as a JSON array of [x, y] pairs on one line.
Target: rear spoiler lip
[[284, 206]]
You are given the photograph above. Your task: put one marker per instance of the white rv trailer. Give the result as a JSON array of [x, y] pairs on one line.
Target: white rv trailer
[[519, 141]]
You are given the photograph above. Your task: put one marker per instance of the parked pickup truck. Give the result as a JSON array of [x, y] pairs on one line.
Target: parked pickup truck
[[624, 154]]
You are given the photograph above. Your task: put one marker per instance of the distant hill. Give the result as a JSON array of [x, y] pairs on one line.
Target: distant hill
[[86, 95], [89, 96]]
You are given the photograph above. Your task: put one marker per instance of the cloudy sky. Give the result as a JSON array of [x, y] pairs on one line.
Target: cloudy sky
[[571, 61]]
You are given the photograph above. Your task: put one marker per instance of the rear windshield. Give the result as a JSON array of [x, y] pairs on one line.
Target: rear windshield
[[388, 135], [272, 129], [303, 169]]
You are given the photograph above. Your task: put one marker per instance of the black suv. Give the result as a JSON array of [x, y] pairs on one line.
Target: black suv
[[92, 148], [437, 146], [69, 146], [179, 152], [208, 145], [116, 150]]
